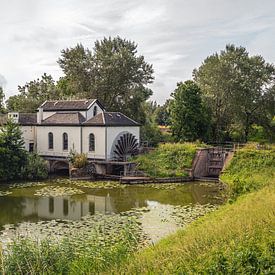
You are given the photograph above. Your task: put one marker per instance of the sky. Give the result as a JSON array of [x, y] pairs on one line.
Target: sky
[[173, 35]]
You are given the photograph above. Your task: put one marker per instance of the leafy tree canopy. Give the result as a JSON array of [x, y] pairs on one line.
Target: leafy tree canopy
[[33, 94], [113, 72], [188, 115], [238, 89], [13, 156]]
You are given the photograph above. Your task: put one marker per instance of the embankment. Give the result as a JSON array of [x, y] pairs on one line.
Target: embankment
[[237, 238], [169, 160]]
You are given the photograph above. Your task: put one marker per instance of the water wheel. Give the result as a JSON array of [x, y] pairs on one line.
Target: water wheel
[[126, 146]]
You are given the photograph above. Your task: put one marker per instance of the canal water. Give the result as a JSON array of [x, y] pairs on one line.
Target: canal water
[[33, 208]]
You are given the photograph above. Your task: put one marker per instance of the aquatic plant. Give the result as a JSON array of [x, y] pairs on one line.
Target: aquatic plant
[[57, 191]]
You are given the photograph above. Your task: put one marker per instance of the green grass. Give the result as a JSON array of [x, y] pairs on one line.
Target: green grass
[[86, 256], [249, 170], [168, 160], [236, 239]]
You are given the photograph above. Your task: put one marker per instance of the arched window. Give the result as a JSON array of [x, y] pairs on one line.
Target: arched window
[[91, 142], [65, 207], [51, 204], [50, 140], [95, 110], [65, 141]]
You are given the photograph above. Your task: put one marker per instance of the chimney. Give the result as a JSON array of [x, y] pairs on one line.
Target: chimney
[[39, 115]]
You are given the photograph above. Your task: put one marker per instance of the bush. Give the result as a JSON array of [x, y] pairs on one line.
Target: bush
[[78, 160], [168, 160], [35, 168]]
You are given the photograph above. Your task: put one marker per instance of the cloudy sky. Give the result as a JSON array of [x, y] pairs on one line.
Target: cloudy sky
[[174, 35]]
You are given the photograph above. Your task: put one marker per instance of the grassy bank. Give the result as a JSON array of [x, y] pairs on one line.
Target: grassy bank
[[237, 238], [249, 170], [168, 160], [89, 253]]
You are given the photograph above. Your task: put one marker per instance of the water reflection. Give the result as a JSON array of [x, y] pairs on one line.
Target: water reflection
[[22, 205], [66, 207]]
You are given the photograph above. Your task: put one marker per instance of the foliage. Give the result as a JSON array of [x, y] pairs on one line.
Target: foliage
[[189, 120], [168, 160], [2, 96], [150, 132], [238, 238], [13, 156], [33, 94], [35, 168], [249, 170], [238, 89], [49, 257], [112, 73], [162, 114], [78, 160]]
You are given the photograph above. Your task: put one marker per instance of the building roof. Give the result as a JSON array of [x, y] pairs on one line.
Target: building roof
[[110, 119], [27, 118], [24, 119], [72, 118], [69, 105]]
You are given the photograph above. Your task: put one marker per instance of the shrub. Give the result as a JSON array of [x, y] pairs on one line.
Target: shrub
[[35, 168], [170, 159], [78, 160]]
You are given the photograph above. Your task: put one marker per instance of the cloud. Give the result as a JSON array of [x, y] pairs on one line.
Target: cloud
[[175, 36], [3, 81]]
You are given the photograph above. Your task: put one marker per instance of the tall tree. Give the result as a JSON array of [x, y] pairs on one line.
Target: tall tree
[[188, 115], [237, 88], [33, 94], [13, 156], [112, 72]]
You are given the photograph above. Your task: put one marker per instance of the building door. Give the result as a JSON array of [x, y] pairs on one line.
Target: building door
[[31, 147]]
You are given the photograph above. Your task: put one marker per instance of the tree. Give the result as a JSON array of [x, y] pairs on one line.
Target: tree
[[112, 73], [35, 167], [149, 131], [2, 96], [238, 90], [13, 156], [188, 115], [33, 94], [162, 114]]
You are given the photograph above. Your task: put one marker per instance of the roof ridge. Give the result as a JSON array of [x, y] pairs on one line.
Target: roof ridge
[[103, 118], [129, 118]]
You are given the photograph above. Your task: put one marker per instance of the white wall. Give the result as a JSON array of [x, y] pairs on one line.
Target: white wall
[[114, 132], [28, 134], [90, 112], [74, 136], [99, 133], [42, 140]]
